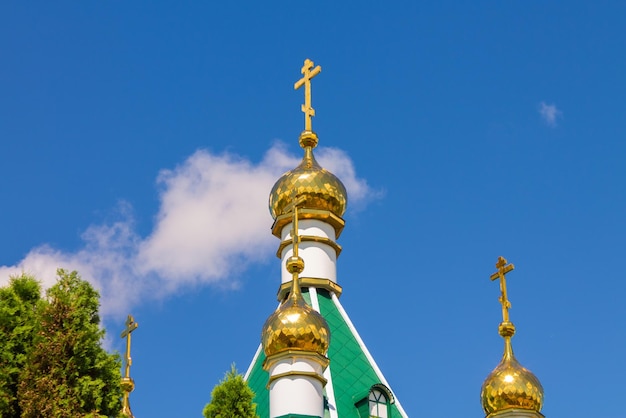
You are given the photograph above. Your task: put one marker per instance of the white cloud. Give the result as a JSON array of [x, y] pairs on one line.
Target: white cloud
[[212, 222], [337, 162], [549, 113]]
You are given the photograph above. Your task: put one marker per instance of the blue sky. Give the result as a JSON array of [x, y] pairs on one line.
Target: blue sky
[[140, 141]]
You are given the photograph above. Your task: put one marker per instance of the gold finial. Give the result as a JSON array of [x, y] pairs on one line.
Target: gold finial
[[503, 269], [308, 73], [295, 325], [295, 263], [127, 382], [509, 386]]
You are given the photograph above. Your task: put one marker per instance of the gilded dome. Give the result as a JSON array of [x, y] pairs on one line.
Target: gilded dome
[[510, 385], [321, 188], [295, 326]]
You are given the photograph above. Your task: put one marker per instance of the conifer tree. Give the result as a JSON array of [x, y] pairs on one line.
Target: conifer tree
[[68, 374], [18, 303], [231, 398]]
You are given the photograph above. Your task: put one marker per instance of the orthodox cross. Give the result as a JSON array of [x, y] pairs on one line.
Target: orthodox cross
[[503, 269], [308, 73], [131, 325]]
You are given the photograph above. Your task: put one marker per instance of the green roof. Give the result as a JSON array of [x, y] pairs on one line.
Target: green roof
[[353, 372]]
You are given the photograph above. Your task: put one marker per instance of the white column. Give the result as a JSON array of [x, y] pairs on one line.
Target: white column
[[320, 259], [296, 385]]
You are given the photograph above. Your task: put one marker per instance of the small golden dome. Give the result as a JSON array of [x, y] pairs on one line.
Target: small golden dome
[[322, 189], [295, 326], [510, 385]]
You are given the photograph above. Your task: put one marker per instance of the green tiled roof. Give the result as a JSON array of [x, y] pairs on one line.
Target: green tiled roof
[[257, 379], [352, 374]]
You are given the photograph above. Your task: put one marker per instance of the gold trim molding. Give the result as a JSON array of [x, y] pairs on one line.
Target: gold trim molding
[[516, 413], [318, 283], [296, 373], [294, 354], [309, 238], [323, 215]]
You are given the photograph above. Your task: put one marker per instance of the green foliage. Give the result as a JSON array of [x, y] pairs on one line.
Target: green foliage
[[231, 398], [56, 366], [18, 303]]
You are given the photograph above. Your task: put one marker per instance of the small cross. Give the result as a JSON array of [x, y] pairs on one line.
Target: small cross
[[503, 269], [308, 73], [131, 325]]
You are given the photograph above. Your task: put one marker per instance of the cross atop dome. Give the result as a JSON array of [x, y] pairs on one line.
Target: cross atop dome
[[308, 72], [510, 390], [503, 269], [127, 383]]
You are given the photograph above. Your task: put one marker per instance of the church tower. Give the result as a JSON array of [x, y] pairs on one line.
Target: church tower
[[510, 390], [295, 340], [312, 362]]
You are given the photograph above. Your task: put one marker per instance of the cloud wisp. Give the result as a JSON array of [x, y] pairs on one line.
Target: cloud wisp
[[549, 113], [212, 223]]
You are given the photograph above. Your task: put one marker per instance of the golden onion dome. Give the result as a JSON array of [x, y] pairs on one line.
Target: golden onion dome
[[510, 385], [295, 325], [321, 188]]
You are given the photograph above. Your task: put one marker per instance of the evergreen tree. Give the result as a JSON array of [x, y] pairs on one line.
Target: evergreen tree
[[231, 398], [68, 374], [18, 303]]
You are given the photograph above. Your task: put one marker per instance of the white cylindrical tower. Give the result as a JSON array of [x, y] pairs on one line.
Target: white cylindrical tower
[[296, 384], [295, 341], [318, 248]]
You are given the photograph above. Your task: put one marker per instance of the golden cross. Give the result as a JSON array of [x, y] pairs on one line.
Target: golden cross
[[131, 325], [308, 73], [503, 268]]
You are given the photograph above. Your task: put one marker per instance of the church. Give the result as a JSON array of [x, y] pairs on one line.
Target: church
[[311, 362]]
